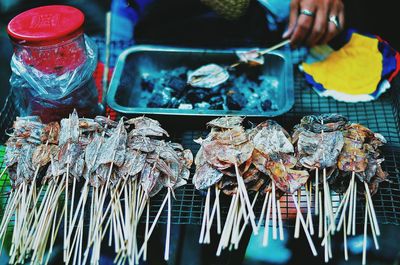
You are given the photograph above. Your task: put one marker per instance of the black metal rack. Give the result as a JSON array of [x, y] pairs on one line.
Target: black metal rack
[[382, 115]]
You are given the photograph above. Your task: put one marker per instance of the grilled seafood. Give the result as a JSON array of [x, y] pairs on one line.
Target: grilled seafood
[[258, 152]]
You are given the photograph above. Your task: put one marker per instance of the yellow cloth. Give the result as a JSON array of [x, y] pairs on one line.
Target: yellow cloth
[[354, 69]]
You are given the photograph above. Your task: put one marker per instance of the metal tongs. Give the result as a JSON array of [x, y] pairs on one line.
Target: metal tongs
[[212, 75]]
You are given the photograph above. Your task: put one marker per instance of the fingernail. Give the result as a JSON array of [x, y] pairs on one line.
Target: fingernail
[[285, 34]]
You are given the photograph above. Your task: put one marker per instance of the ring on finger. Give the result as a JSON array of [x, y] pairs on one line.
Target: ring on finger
[[335, 21], [307, 12]]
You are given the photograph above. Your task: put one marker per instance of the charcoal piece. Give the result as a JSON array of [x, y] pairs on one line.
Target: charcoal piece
[[147, 83], [266, 105], [235, 100], [176, 84], [196, 95], [173, 103], [214, 91], [160, 99], [202, 105], [217, 106], [216, 102]]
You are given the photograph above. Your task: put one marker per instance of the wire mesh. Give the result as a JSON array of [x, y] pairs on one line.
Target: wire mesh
[[7, 116], [381, 116]]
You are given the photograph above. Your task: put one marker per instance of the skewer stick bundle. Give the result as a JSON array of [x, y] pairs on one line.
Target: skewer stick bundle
[[124, 164], [81, 148], [259, 159]]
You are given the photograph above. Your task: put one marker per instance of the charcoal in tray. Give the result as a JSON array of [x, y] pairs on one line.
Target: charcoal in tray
[[169, 89], [266, 105], [202, 105], [177, 84], [147, 83], [160, 99], [175, 102], [157, 101], [235, 100], [216, 103], [196, 95]]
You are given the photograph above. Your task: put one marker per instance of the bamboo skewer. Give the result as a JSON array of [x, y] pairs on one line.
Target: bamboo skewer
[[364, 253], [215, 211], [346, 255], [72, 201], [297, 224], [107, 58], [79, 232], [310, 242], [274, 230], [316, 207], [167, 240], [346, 201], [264, 206], [342, 205], [147, 228], [242, 190], [37, 224], [53, 238], [9, 211], [354, 209], [320, 226], [23, 214], [375, 220], [350, 215], [100, 215], [217, 192], [267, 218], [40, 224], [205, 217], [3, 172], [45, 224], [326, 224], [281, 235], [236, 224], [197, 79], [371, 223], [246, 221], [28, 212], [327, 194], [232, 222], [66, 214], [228, 223], [152, 226], [309, 214]]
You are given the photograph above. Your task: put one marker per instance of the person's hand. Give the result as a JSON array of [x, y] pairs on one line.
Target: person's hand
[[314, 22]]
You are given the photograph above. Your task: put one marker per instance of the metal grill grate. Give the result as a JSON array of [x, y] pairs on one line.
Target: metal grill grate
[[7, 116], [381, 116]]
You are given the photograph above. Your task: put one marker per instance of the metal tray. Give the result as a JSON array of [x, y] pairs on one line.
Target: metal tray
[[125, 88]]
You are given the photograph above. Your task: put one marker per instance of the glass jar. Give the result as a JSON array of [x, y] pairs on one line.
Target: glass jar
[[53, 63]]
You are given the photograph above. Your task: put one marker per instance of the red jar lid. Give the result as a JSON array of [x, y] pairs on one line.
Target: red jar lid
[[46, 25]]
